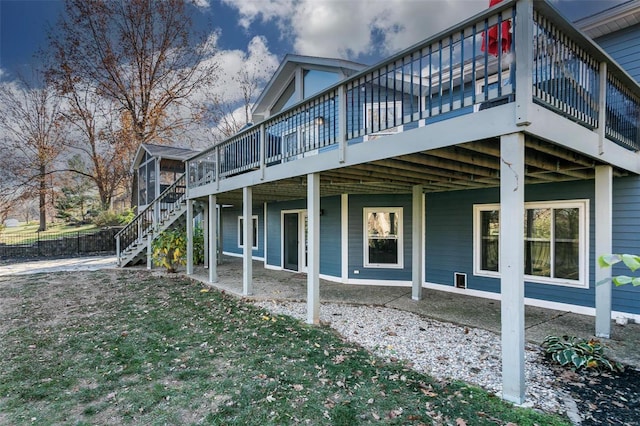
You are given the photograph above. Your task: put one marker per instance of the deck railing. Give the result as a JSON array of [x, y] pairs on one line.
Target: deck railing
[[168, 201], [453, 73]]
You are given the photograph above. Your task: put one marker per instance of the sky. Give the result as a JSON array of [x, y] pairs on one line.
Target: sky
[[361, 30]]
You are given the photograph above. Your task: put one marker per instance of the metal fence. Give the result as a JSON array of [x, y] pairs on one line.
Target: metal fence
[[46, 244]]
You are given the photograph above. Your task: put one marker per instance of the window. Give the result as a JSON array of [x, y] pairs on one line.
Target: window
[[383, 237], [555, 241], [254, 232], [382, 115]]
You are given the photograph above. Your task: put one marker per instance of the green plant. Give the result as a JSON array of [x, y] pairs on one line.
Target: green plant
[[169, 249], [198, 246], [578, 353], [631, 261], [111, 218]]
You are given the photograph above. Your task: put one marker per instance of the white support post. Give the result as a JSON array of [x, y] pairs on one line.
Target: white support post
[[118, 254], [344, 237], [149, 250], [512, 265], [524, 31], [247, 237], [213, 239], [604, 237], [342, 123], [205, 234], [602, 107], [189, 237], [313, 260], [417, 242]]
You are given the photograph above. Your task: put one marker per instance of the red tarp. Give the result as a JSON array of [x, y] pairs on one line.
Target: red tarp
[[491, 45]]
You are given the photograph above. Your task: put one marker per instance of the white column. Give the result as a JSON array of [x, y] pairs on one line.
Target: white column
[[313, 260], [213, 239], [189, 237], [205, 234], [417, 242], [344, 237], [604, 223], [247, 237], [512, 265]]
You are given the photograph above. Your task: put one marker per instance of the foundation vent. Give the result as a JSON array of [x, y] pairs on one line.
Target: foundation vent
[[460, 280]]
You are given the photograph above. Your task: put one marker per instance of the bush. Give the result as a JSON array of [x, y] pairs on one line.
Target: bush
[[169, 249], [110, 218], [578, 353]]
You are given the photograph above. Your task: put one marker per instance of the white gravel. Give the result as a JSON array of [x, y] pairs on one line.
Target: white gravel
[[442, 350]]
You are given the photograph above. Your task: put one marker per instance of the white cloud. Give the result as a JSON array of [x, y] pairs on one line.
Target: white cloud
[[203, 4], [353, 28]]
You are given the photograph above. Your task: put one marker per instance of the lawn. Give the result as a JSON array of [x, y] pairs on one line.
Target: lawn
[[118, 347], [28, 233]]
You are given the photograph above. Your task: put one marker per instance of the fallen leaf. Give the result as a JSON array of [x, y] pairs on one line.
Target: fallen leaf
[[460, 422], [298, 387]]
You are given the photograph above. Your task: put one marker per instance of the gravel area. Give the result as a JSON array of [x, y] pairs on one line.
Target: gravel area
[[441, 350]]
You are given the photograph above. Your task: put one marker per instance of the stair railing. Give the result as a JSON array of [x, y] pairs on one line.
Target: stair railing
[[148, 219]]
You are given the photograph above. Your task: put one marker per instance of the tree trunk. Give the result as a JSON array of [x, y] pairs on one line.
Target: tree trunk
[[42, 190]]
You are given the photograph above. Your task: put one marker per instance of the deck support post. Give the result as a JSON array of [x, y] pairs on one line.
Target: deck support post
[[190, 237], [313, 259], [205, 234], [511, 265], [247, 237], [417, 235], [604, 237], [213, 239]]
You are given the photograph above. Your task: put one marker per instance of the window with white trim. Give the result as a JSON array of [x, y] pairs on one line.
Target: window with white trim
[[556, 239], [382, 115], [383, 237], [254, 232]]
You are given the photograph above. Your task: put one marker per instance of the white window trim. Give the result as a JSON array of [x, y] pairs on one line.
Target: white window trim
[[583, 240], [398, 211], [254, 219]]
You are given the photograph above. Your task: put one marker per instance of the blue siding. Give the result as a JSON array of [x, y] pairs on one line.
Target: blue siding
[[449, 239], [330, 247], [623, 47], [356, 238], [626, 238], [229, 230]]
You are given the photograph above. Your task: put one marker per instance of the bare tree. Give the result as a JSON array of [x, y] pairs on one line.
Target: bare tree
[[105, 150], [33, 137], [140, 54]]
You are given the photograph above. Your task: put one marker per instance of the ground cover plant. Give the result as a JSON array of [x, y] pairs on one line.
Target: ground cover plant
[[118, 347]]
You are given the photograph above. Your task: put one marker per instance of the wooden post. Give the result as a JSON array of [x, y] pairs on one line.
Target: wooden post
[[247, 234], [417, 242], [189, 237], [511, 265], [604, 236], [313, 261], [213, 239]]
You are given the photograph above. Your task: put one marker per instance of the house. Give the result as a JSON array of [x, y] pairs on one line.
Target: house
[[498, 158]]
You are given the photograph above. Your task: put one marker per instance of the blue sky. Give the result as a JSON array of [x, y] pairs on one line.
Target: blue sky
[[360, 30]]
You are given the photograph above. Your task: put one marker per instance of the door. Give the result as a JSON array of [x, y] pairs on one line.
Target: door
[[291, 241], [295, 240]]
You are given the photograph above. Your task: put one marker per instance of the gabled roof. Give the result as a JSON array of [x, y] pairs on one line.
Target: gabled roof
[[162, 151], [611, 20], [286, 72]]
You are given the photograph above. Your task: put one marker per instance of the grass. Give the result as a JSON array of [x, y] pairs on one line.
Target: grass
[[28, 233], [128, 348]]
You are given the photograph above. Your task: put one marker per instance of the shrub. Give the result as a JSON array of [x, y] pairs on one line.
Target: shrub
[[578, 353], [111, 218], [169, 249]]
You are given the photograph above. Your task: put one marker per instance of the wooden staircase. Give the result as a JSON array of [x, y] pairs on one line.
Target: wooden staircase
[[168, 210]]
